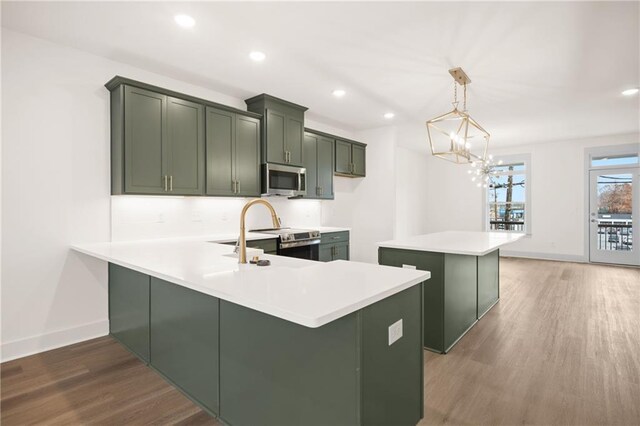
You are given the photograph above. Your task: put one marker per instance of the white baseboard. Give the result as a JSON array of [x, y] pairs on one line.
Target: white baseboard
[[544, 256], [36, 344]]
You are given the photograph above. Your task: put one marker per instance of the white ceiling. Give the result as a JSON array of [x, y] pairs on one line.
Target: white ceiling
[[540, 71]]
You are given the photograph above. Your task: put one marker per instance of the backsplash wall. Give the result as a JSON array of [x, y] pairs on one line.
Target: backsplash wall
[[147, 217]]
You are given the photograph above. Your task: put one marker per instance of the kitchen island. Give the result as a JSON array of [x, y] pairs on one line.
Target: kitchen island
[[297, 342], [465, 279]]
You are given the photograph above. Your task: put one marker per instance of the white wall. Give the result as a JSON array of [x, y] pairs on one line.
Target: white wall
[[557, 186], [55, 192]]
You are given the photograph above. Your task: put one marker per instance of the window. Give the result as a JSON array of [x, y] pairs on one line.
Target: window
[[614, 160], [507, 201]]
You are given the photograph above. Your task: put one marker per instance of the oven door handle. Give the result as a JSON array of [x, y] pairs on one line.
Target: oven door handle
[[302, 243]]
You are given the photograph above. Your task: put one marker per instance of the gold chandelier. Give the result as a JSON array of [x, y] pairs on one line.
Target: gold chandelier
[[455, 136]]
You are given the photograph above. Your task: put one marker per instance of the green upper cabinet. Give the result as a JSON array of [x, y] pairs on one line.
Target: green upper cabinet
[[159, 140], [282, 129], [247, 159], [185, 146], [351, 158], [157, 143], [233, 154], [359, 159], [318, 160], [145, 146]]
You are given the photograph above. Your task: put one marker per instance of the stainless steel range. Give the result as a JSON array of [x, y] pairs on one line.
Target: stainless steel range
[[300, 243]]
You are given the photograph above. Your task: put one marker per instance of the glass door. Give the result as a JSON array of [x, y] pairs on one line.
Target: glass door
[[613, 216]]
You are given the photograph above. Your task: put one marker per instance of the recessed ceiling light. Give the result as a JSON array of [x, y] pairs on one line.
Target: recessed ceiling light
[[338, 93], [257, 56], [389, 115], [185, 21], [630, 92]]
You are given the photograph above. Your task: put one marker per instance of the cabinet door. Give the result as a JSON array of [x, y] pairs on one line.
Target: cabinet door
[[295, 136], [220, 151], [343, 157], [145, 159], [358, 158], [221, 134], [184, 340], [310, 163], [185, 139], [325, 253], [341, 251], [129, 309], [276, 128], [325, 167], [488, 281], [247, 158]]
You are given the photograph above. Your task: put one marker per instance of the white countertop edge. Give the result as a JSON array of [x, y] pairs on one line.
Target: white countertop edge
[[271, 311], [462, 252], [407, 244]]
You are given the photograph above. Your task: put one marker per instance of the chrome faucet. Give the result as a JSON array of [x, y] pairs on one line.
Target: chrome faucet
[[242, 239]]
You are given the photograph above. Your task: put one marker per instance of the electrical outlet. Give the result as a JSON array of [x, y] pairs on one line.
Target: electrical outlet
[[395, 332]]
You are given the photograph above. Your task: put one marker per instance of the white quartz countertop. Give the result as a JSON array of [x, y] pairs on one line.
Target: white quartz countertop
[[455, 242], [326, 229], [301, 291]]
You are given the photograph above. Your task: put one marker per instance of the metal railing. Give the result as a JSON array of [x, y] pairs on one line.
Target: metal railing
[[506, 225], [615, 236]]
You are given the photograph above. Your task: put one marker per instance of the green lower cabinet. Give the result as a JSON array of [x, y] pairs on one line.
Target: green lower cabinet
[[488, 281], [184, 340], [334, 246], [274, 372], [450, 296], [129, 309], [460, 297], [249, 368]]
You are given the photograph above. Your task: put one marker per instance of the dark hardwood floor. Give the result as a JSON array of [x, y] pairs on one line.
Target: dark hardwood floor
[[561, 348]]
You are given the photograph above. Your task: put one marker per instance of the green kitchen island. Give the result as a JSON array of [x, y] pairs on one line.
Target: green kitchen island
[[465, 278], [295, 343]]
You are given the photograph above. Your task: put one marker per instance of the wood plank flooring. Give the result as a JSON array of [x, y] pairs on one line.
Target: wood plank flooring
[[561, 348]]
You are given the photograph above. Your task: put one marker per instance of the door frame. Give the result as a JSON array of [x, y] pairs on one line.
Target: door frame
[[590, 153]]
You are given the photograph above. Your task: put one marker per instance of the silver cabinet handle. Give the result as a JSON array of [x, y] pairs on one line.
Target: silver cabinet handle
[[233, 186], [170, 183], [238, 183], [164, 183]]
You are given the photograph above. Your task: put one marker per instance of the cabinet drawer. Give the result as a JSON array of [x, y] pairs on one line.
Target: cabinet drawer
[[334, 237]]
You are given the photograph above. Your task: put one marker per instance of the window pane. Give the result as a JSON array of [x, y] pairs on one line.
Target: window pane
[[507, 216], [615, 205], [517, 167], [507, 189], [619, 160]]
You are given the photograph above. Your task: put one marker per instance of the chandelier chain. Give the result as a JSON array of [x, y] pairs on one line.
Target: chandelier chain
[[464, 104]]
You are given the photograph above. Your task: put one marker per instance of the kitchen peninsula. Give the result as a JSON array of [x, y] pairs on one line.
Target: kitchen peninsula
[[297, 342], [465, 279]]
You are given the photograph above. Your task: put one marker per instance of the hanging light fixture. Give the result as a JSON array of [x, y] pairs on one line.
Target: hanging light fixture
[[455, 136], [483, 172]]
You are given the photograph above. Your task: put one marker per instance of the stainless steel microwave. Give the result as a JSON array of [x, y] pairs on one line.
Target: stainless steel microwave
[[288, 181]]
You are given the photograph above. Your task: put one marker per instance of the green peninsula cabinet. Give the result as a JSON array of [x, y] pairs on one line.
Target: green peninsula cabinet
[[318, 160], [129, 309], [334, 246], [282, 129], [351, 158], [233, 154], [465, 278], [250, 368]]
